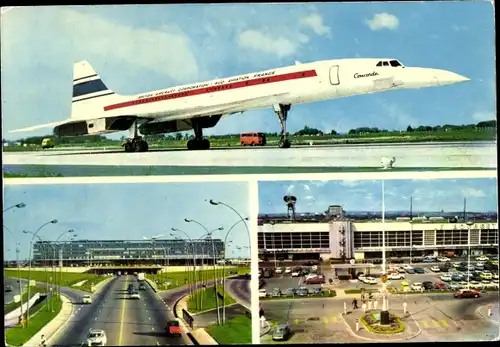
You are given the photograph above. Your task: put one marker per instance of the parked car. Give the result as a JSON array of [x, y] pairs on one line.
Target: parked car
[[318, 279], [435, 269], [440, 285], [443, 259], [410, 271], [417, 287], [288, 270], [282, 332], [445, 277], [296, 272], [278, 270], [467, 293], [8, 288], [369, 280], [262, 293], [456, 277], [276, 293], [428, 285], [482, 258], [429, 260], [454, 286], [486, 275], [419, 270], [290, 292], [396, 276], [407, 266]]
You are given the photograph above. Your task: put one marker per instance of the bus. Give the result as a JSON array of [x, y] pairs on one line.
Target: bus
[[253, 139]]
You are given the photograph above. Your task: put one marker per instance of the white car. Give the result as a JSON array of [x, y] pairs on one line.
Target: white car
[[396, 276], [462, 284], [87, 299], [443, 259], [135, 295], [455, 265], [417, 287], [483, 258], [370, 280], [486, 276], [445, 277], [488, 284], [288, 270], [407, 267], [479, 263], [435, 269], [262, 293], [456, 285], [495, 276], [295, 273], [476, 284], [97, 337], [278, 270]]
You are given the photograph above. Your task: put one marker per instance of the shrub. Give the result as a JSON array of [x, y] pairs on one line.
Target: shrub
[[369, 321]]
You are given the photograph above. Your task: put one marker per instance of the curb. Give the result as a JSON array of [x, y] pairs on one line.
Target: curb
[[478, 312], [37, 335], [101, 284], [382, 341], [266, 330], [151, 284], [187, 332]]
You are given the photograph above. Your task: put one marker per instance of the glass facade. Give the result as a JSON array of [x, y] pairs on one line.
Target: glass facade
[[293, 241], [96, 251]]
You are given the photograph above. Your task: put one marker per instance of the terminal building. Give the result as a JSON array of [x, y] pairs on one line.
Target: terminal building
[[337, 236], [119, 252]]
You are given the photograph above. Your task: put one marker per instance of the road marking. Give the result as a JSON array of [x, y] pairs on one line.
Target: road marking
[[325, 320], [436, 323], [444, 323], [424, 323], [122, 316]]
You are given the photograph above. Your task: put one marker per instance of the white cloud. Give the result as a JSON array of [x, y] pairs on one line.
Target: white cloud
[[477, 193], [400, 116], [383, 20], [261, 41], [480, 116], [143, 48], [315, 22]]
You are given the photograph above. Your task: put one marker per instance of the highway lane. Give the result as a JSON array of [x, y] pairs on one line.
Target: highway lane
[[239, 289], [126, 322], [8, 297]]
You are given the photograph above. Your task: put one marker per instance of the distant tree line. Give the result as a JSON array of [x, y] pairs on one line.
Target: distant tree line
[[306, 131]]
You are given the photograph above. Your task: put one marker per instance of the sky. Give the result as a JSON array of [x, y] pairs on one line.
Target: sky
[[139, 48], [124, 212], [364, 195]]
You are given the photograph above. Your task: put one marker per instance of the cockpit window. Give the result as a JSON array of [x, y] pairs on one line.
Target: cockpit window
[[392, 63]]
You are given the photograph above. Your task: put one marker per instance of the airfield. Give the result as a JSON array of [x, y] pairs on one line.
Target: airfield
[[430, 156]]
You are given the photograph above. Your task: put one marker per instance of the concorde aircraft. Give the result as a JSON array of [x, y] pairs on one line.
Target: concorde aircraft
[[98, 110]]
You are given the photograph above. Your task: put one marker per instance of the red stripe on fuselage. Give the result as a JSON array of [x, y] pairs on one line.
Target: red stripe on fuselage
[[217, 88]]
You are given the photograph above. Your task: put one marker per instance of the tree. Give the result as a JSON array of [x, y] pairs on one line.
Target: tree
[[409, 129]]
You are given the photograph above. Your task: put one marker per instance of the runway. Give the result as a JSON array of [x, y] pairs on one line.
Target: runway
[[267, 160]]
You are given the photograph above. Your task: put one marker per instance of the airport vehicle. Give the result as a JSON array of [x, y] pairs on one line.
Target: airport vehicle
[[8, 288], [262, 293], [253, 139], [395, 276], [483, 258], [435, 269], [282, 332], [97, 337], [48, 143], [87, 299], [96, 109], [417, 286], [467, 293], [173, 328], [135, 295]]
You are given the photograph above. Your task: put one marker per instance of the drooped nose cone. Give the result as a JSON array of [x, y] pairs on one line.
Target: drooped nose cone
[[444, 77]]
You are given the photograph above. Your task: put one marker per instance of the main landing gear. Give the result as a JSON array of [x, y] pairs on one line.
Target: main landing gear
[[135, 143], [198, 142], [282, 112]]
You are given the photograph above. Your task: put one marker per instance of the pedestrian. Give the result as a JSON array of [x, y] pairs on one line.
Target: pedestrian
[[43, 342], [354, 303]]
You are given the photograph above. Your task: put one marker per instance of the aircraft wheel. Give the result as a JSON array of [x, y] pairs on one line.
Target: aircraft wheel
[[191, 145], [128, 147], [142, 146], [205, 144], [285, 143]]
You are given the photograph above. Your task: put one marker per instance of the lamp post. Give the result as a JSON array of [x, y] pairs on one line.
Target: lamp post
[[191, 284], [224, 268], [54, 221], [18, 245], [469, 226], [54, 257], [216, 203], [384, 314], [20, 205], [73, 237]]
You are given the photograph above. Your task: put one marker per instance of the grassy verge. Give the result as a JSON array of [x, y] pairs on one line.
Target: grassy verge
[[18, 336], [178, 279], [207, 296], [67, 279], [360, 290], [13, 305], [236, 331], [324, 294]]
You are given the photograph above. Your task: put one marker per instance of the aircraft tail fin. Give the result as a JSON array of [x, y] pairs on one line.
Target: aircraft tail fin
[[90, 93]]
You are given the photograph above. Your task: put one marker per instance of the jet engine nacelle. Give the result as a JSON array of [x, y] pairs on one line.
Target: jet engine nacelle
[[94, 126]]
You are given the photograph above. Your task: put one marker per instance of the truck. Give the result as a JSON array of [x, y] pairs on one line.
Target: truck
[[140, 276]]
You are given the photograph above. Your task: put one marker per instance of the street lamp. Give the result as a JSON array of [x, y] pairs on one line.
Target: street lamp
[[384, 314], [20, 205], [469, 225], [215, 203], [224, 268], [53, 221], [60, 258], [191, 284], [73, 238]]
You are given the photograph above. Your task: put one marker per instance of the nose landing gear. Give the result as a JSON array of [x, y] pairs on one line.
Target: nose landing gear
[[135, 143]]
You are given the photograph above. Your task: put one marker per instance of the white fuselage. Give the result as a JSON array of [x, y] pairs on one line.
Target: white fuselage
[[295, 84]]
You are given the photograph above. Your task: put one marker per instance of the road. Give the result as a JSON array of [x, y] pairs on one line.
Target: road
[[8, 297], [239, 289], [343, 158], [440, 316], [126, 322]]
